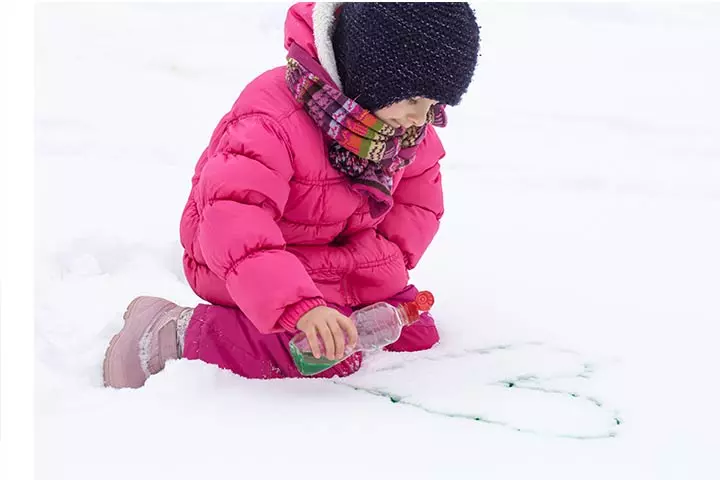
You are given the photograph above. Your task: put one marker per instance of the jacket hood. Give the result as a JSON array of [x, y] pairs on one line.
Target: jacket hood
[[310, 26]]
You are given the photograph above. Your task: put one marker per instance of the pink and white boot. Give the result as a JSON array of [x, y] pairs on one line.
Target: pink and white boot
[[153, 334]]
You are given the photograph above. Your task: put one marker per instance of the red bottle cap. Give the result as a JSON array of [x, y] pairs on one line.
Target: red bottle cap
[[424, 301]]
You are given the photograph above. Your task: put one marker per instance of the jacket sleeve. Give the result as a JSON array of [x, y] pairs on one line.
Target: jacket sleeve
[[414, 219], [242, 192]]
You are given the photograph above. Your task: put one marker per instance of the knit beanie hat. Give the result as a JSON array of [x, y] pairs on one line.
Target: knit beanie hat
[[389, 52]]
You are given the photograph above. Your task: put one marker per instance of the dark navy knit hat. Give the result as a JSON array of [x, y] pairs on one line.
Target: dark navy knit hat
[[388, 52]]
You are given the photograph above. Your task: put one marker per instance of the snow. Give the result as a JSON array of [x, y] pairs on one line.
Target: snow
[[577, 271]]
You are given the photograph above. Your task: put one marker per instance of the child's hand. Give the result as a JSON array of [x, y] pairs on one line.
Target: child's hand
[[332, 327]]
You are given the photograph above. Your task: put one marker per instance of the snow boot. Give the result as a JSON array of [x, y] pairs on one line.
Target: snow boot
[[146, 342]]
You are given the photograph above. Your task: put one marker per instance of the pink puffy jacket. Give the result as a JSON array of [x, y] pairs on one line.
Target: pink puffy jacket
[[273, 229]]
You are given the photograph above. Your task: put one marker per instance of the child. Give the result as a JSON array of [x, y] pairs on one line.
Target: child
[[319, 190]]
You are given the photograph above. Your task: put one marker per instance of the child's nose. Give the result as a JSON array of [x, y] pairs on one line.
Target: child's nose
[[417, 120], [419, 116]]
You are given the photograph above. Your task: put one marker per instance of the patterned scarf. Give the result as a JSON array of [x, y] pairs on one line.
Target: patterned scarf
[[364, 148]]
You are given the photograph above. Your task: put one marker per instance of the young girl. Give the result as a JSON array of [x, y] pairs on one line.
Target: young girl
[[319, 190]]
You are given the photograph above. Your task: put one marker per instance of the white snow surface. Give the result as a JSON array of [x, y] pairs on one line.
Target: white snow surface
[[577, 270]]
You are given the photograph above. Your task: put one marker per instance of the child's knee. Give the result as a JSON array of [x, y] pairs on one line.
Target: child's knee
[[422, 335]]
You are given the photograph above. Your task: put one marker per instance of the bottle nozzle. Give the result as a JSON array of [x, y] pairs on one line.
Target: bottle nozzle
[[422, 303]]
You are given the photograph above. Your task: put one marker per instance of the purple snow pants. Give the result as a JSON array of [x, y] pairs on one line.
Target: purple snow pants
[[225, 337]]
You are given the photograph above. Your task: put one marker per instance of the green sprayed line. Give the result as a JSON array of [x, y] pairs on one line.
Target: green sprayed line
[[517, 383], [399, 400], [575, 395], [477, 351]]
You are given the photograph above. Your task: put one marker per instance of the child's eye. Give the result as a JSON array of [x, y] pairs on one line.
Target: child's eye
[[413, 101]]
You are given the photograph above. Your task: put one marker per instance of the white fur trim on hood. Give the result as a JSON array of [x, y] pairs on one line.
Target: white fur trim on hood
[[323, 17]]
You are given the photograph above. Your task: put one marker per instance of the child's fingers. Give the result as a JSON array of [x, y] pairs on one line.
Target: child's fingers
[[328, 341], [350, 329], [339, 336], [311, 335]]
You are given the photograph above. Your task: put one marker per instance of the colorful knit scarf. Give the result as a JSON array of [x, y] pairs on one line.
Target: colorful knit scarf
[[365, 148]]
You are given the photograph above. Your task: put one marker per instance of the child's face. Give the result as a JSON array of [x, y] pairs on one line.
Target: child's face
[[406, 113]]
